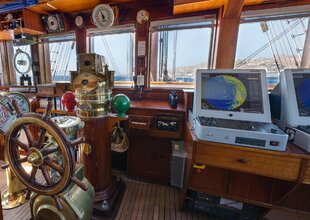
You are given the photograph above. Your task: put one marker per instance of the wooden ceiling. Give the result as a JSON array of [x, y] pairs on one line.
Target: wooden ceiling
[[179, 6], [187, 6]]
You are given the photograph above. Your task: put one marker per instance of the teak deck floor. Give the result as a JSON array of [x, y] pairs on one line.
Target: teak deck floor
[[146, 201], [141, 201]]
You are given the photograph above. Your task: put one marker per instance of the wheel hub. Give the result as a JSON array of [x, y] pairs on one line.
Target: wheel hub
[[35, 157]]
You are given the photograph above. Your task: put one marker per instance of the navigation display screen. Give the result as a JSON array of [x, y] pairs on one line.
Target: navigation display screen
[[302, 90], [240, 92]]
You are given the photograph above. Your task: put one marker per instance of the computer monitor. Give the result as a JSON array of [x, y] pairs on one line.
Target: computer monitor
[[295, 96], [232, 94]]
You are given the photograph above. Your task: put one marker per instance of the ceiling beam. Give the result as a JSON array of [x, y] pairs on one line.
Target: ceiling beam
[[232, 9]]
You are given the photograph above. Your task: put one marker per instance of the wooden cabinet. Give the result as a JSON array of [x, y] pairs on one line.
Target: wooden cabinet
[[261, 177], [241, 159], [23, 22], [151, 127]]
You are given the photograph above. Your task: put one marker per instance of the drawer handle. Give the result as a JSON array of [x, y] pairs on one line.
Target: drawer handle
[[244, 161], [201, 167], [138, 123]]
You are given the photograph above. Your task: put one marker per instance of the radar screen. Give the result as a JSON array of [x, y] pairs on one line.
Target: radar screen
[[239, 92], [302, 90]]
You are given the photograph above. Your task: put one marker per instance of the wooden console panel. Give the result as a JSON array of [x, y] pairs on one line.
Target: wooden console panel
[[262, 177], [149, 143]]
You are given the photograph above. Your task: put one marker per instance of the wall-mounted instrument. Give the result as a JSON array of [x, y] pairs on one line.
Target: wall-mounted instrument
[[79, 21], [53, 23], [142, 16], [22, 64], [103, 16]]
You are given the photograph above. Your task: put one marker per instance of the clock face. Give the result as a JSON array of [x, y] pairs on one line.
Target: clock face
[[142, 16], [103, 16], [79, 21]]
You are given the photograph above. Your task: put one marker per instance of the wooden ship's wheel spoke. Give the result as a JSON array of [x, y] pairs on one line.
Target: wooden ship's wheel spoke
[[47, 149]]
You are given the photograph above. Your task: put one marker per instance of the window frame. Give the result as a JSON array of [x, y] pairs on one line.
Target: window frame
[[154, 27], [45, 40], [116, 29]]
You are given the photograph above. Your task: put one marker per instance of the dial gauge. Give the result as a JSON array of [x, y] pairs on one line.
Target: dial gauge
[[142, 16], [103, 16], [79, 21]]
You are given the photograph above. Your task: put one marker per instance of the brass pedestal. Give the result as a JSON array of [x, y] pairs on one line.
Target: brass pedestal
[[15, 195], [108, 201]]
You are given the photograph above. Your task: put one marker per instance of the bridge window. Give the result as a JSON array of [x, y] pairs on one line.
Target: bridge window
[[62, 56], [273, 43], [177, 48], [117, 46]]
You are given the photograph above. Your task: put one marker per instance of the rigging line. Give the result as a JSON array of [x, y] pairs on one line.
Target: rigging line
[[263, 47], [109, 54], [127, 57], [72, 48], [289, 44], [59, 54], [293, 38], [274, 57], [273, 29], [275, 47], [174, 54], [62, 60], [66, 59], [58, 60], [303, 25], [285, 45], [162, 55], [55, 49]]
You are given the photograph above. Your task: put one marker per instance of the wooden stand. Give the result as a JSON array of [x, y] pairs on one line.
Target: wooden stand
[[266, 178], [97, 164]]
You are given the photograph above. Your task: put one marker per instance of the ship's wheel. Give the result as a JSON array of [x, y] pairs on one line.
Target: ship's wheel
[[34, 140]]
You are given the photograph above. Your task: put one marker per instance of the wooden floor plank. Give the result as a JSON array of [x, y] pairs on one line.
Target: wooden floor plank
[[152, 202], [141, 201]]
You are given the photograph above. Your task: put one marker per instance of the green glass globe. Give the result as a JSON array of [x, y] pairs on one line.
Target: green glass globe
[[121, 104]]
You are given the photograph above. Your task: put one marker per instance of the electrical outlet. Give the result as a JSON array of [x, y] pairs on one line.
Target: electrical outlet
[[140, 80]]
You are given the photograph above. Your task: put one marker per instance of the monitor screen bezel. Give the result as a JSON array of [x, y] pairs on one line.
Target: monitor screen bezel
[[289, 97], [233, 115]]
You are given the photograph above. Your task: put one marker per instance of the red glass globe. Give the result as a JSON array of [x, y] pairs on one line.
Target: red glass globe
[[68, 100]]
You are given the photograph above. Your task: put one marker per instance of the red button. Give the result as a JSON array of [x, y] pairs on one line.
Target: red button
[[274, 143]]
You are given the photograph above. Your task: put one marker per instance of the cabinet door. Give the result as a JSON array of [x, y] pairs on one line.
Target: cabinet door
[[158, 161], [136, 158], [149, 158]]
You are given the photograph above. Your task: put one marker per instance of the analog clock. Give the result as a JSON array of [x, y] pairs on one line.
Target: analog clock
[[103, 16], [142, 16], [79, 21]]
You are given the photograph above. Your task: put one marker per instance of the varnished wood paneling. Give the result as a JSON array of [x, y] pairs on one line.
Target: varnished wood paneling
[[226, 42], [187, 6], [307, 176], [211, 179], [260, 163], [250, 186]]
